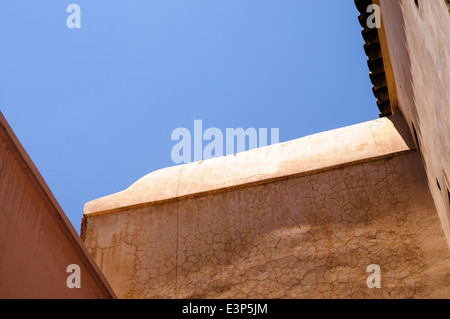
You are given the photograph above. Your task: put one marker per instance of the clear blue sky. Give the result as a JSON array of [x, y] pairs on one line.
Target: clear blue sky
[[95, 107]]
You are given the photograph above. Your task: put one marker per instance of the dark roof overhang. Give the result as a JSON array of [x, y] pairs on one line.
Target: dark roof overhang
[[373, 51]]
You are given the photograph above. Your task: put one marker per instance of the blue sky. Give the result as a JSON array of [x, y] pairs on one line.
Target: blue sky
[[95, 107]]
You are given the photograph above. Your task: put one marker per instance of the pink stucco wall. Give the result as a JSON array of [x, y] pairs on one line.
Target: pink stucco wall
[[37, 241]]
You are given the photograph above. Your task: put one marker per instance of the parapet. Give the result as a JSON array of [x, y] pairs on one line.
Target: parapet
[[304, 156]]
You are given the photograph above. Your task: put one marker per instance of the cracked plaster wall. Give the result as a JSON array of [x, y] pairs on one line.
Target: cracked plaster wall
[[303, 237]]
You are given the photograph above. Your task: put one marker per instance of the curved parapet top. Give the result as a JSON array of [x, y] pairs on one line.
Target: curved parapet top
[[308, 155]]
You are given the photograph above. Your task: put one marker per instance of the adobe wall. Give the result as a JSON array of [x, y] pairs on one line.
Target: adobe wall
[[418, 40], [37, 241], [340, 201]]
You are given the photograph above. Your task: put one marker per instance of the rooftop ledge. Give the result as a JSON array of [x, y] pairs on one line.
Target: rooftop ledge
[[312, 154]]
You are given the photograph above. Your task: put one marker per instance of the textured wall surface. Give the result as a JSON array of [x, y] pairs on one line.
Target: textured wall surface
[[308, 237], [418, 39], [302, 236], [37, 242]]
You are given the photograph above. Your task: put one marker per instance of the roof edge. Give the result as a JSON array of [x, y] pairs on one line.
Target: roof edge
[[378, 61], [312, 154]]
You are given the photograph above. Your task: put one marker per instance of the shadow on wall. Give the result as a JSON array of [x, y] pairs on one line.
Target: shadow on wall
[[400, 44], [402, 129]]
